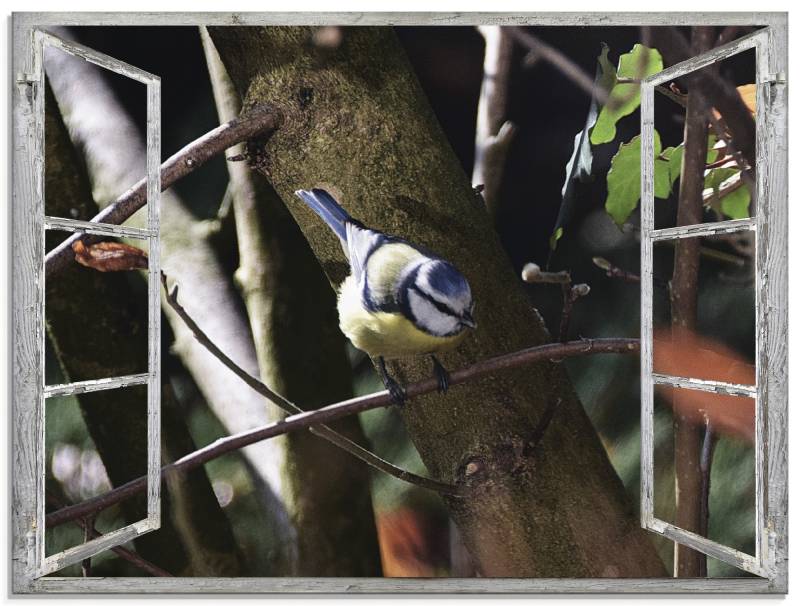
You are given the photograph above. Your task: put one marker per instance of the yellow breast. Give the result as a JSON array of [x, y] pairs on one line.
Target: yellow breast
[[390, 335]]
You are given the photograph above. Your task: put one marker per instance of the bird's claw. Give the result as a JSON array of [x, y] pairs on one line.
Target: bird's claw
[[396, 392], [442, 376]]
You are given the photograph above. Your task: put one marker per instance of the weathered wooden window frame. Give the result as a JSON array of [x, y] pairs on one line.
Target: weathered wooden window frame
[[28, 227], [770, 414], [30, 479]]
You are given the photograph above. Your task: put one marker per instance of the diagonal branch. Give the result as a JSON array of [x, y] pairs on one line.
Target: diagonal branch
[[257, 122], [560, 61], [322, 431], [333, 412]]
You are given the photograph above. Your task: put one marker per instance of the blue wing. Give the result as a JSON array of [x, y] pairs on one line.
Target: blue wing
[[358, 242]]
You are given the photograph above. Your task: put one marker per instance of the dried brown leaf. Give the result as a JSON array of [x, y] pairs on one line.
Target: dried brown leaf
[[110, 256]]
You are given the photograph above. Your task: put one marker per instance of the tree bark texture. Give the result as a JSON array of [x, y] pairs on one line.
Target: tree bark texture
[[98, 330], [688, 434], [301, 355], [355, 119]]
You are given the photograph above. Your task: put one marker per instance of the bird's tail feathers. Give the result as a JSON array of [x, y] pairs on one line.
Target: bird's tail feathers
[[328, 209]]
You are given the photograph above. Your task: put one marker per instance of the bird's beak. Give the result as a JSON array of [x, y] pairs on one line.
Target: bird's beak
[[468, 321]]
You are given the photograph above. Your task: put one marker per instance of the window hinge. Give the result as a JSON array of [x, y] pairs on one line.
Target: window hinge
[[777, 78], [23, 78]]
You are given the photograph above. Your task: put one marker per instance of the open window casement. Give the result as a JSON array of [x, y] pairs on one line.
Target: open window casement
[[767, 223], [30, 215]]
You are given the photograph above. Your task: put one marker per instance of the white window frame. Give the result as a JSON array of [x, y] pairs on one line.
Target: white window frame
[[28, 342], [30, 470], [769, 392]]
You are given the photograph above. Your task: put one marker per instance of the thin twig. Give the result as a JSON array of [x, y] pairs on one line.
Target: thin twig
[[256, 122], [612, 271], [706, 460], [122, 552], [334, 412], [570, 293], [88, 531], [322, 431], [671, 94], [560, 61], [533, 274]]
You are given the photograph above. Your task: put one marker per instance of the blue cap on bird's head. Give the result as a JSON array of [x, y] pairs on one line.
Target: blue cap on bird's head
[[447, 289]]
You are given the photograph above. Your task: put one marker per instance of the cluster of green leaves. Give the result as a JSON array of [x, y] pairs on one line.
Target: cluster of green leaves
[[622, 99], [622, 89]]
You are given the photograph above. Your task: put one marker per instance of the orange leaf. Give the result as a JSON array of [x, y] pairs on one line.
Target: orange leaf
[[748, 94], [110, 256], [686, 354]]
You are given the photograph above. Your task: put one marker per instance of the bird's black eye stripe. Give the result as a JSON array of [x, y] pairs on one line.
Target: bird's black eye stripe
[[437, 304]]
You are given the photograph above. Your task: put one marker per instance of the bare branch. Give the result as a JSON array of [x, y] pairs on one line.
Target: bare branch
[[333, 412], [258, 121], [533, 274], [612, 271], [571, 294], [493, 134], [560, 61]]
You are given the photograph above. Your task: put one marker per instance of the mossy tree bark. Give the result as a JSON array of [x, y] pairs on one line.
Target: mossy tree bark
[[301, 355], [356, 120], [98, 327]]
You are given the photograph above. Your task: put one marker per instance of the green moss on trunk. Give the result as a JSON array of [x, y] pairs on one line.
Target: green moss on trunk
[[357, 121]]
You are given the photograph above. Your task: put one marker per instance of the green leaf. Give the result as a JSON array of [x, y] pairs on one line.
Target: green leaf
[[624, 178], [736, 204], [579, 166], [559, 231], [674, 155], [625, 97], [716, 176]]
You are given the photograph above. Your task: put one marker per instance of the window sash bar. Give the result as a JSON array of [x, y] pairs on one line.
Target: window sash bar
[[646, 289], [67, 389], [38, 563], [708, 58], [704, 229], [154, 302], [100, 229], [734, 557], [97, 58], [720, 387], [91, 548]]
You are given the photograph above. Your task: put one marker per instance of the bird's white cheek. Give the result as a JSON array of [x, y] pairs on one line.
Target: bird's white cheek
[[431, 319]]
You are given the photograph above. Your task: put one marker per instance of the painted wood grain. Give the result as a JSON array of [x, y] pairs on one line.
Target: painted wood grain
[[66, 389], [721, 387], [100, 229]]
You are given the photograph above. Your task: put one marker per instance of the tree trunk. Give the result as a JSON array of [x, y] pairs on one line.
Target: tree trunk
[[292, 315], [98, 330], [356, 119]]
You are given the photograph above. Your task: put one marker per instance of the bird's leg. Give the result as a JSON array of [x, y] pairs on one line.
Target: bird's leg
[[396, 390], [442, 376]]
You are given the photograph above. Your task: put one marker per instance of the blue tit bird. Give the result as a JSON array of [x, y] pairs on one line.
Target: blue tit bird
[[399, 299]]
